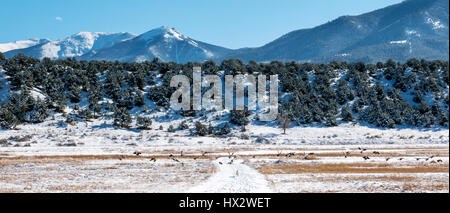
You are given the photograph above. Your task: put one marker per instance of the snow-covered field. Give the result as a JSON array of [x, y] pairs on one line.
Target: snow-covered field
[[96, 157]]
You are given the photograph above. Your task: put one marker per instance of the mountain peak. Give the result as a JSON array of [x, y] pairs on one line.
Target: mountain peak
[[164, 31]]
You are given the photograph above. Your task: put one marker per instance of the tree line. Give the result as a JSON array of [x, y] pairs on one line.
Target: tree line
[[386, 94]]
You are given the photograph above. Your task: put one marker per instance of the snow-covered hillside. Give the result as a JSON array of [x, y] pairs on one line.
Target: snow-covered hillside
[[5, 47], [72, 46]]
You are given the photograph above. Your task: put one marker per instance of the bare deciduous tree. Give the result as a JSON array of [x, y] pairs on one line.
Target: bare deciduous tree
[[284, 121]]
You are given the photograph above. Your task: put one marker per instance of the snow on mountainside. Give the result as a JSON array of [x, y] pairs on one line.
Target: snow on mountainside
[[21, 44], [73, 46], [165, 43], [421, 25]]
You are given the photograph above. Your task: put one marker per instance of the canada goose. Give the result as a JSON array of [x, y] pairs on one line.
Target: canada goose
[[366, 158], [181, 154], [137, 153], [417, 159], [175, 160], [153, 159], [375, 152], [204, 153], [230, 155], [170, 155], [279, 153], [400, 159], [347, 153], [195, 158], [439, 161], [220, 163], [387, 159]]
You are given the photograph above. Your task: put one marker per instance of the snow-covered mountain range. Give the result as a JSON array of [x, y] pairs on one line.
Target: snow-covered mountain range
[[165, 43], [410, 29], [72, 46], [21, 44]]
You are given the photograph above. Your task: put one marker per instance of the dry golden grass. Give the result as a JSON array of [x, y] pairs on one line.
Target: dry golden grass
[[340, 168], [440, 153], [418, 186], [209, 170], [375, 178], [57, 158], [137, 172], [372, 148]]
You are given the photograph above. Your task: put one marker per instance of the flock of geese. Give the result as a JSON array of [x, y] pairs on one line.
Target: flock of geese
[[307, 156]]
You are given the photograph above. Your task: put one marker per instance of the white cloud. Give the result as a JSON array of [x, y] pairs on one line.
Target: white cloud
[[58, 18]]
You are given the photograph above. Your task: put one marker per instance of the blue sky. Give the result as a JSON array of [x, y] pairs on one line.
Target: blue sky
[[228, 23]]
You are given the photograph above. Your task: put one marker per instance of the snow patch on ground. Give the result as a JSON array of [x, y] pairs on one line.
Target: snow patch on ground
[[436, 24], [233, 176], [398, 42]]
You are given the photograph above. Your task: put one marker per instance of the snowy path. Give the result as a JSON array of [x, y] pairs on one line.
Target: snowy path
[[233, 178]]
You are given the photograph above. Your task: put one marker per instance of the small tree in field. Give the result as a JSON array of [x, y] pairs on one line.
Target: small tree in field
[[143, 122], [284, 121], [122, 117], [240, 117]]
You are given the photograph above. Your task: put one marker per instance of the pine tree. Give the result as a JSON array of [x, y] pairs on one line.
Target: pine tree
[[140, 79], [224, 130], [7, 119], [344, 93], [171, 129], [346, 113], [200, 129], [22, 103], [183, 125], [39, 112], [143, 122], [2, 58], [85, 114], [240, 117], [423, 115], [139, 99], [330, 119], [439, 114], [94, 94], [126, 99], [122, 117], [211, 130]]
